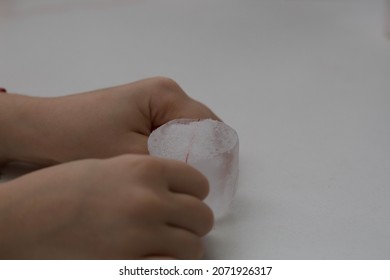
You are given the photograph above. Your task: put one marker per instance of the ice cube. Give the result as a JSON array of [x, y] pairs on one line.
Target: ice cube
[[208, 145]]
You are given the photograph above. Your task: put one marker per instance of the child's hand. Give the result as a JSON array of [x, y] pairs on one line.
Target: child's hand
[[98, 124], [126, 207]]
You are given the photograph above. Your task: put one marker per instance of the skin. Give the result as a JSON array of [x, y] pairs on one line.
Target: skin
[[103, 197], [97, 124]]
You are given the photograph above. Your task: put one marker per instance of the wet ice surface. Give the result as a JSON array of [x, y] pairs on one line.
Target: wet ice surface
[[209, 146]]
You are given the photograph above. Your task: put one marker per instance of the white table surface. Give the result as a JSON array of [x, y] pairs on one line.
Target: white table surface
[[306, 83]]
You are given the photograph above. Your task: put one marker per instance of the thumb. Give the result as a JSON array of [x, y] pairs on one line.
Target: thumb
[[171, 102]]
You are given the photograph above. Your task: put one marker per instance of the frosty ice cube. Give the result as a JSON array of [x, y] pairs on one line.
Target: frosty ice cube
[[208, 145]]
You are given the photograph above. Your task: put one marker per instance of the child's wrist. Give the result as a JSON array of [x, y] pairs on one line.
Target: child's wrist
[[19, 128]]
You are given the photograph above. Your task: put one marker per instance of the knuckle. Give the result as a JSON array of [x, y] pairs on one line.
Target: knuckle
[[151, 165], [143, 165], [148, 204], [165, 83], [167, 92], [169, 99]]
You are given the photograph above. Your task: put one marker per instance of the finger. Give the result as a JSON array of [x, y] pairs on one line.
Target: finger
[[136, 144], [190, 214], [182, 107], [176, 243], [183, 178], [168, 101]]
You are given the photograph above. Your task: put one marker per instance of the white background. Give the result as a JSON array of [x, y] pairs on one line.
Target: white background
[[306, 84]]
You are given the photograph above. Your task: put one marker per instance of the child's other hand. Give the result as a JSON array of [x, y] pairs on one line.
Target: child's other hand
[[126, 207]]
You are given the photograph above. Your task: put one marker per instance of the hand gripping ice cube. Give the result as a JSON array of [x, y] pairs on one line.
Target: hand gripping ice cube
[[208, 145]]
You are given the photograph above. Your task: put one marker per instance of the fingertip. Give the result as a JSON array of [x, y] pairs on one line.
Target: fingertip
[[184, 178]]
